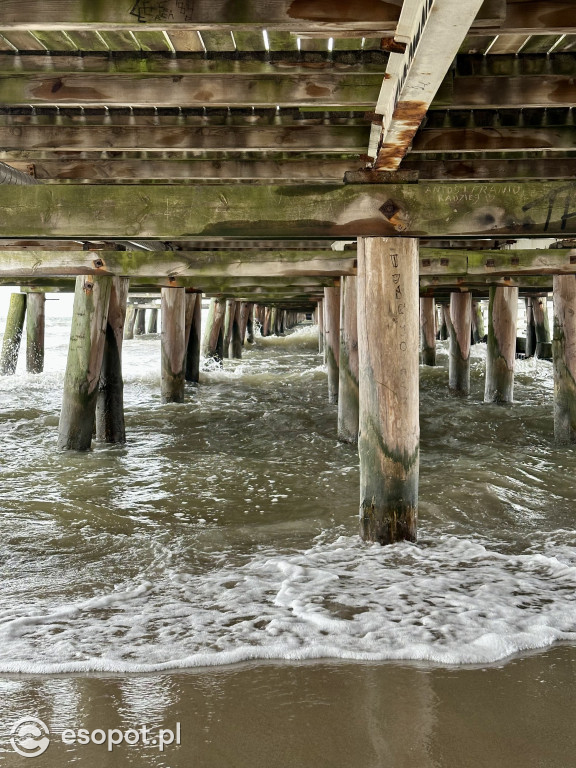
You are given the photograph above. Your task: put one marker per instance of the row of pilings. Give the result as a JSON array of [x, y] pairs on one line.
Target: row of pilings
[[93, 402]]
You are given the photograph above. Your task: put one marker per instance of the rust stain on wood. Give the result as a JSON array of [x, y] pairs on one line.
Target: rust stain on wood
[[343, 10], [317, 90], [57, 90]]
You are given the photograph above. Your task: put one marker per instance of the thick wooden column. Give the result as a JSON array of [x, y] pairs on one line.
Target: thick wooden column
[[140, 327], [332, 339], [35, 327], [212, 341], [173, 323], [459, 320], [564, 353], [194, 332], [320, 321], [130, 322], [530, 330], [85, 353], [477, 322], [501, 349], [388, 341], [110, 426], [235, 346], [152, 325], [428, 330], [348, 363], [13, 334], [272, 328]]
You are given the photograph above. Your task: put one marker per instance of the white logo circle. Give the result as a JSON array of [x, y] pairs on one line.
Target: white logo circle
[[30, 737]]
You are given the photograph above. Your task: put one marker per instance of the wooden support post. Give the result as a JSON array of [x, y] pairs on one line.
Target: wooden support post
[[281, 322], [541, 327], [459, 320], [35, 327], [173, 322], [428, 330], [273, 321], [501, 349], [388, 443], [250, 324], [130, 322], [320, 321], [152, 326], [564, 352], [244, 311], [530, 330], [348, 363], [212, 342], [332, 339], [13, 334], [85, 353], [477, 322], [444, 314], [266, 324], [140, 327], [228, 323], [193, 343], [110, 426], [235, 345]]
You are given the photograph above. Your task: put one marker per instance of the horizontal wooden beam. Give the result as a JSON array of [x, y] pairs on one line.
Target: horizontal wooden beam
[[209, 138], [145, 63], [478, 169], [279, 89], [330, 211], [499, 92], [446, 261], [501, 139], [538, 282], [180, 264]]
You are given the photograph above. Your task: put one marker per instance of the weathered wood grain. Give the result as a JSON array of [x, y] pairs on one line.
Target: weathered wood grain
[[501, 347], [564, 356]]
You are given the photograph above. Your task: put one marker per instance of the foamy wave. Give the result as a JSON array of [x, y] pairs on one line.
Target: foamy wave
[[452, 602]]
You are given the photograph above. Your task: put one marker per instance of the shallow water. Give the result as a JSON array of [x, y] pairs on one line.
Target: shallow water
[[226, 529]]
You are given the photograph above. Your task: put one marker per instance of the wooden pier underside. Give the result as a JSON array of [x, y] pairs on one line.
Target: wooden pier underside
[[246, 151]]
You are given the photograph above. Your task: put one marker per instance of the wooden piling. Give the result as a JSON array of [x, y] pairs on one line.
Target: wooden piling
[[564, 355], [459, 320], [235, 345], [152, 325], [194, 330], [110, 426], [332, 339], [501, 349], [388, 341], [348, 363], [272, 327], [140, 326], [130, 322], [173, 342], [478, 332], [530, 330], [541, 327], [13, 334], [250, 324], [212, 341], [85, 353], [320, 321], [266, 324], [228, 324], [35, 332], [428, 330], [443, 334]]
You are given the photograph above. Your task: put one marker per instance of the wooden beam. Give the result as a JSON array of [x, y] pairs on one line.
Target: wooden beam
[[283, 89], [209, 138], [179, 264], [505, 92], [150, 211], [434, 32], [498, 139], [201, 14], [485, 169], [444, 261], [146, 63]]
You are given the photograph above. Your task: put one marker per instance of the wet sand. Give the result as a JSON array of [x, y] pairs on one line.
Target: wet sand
[[519, 714]]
